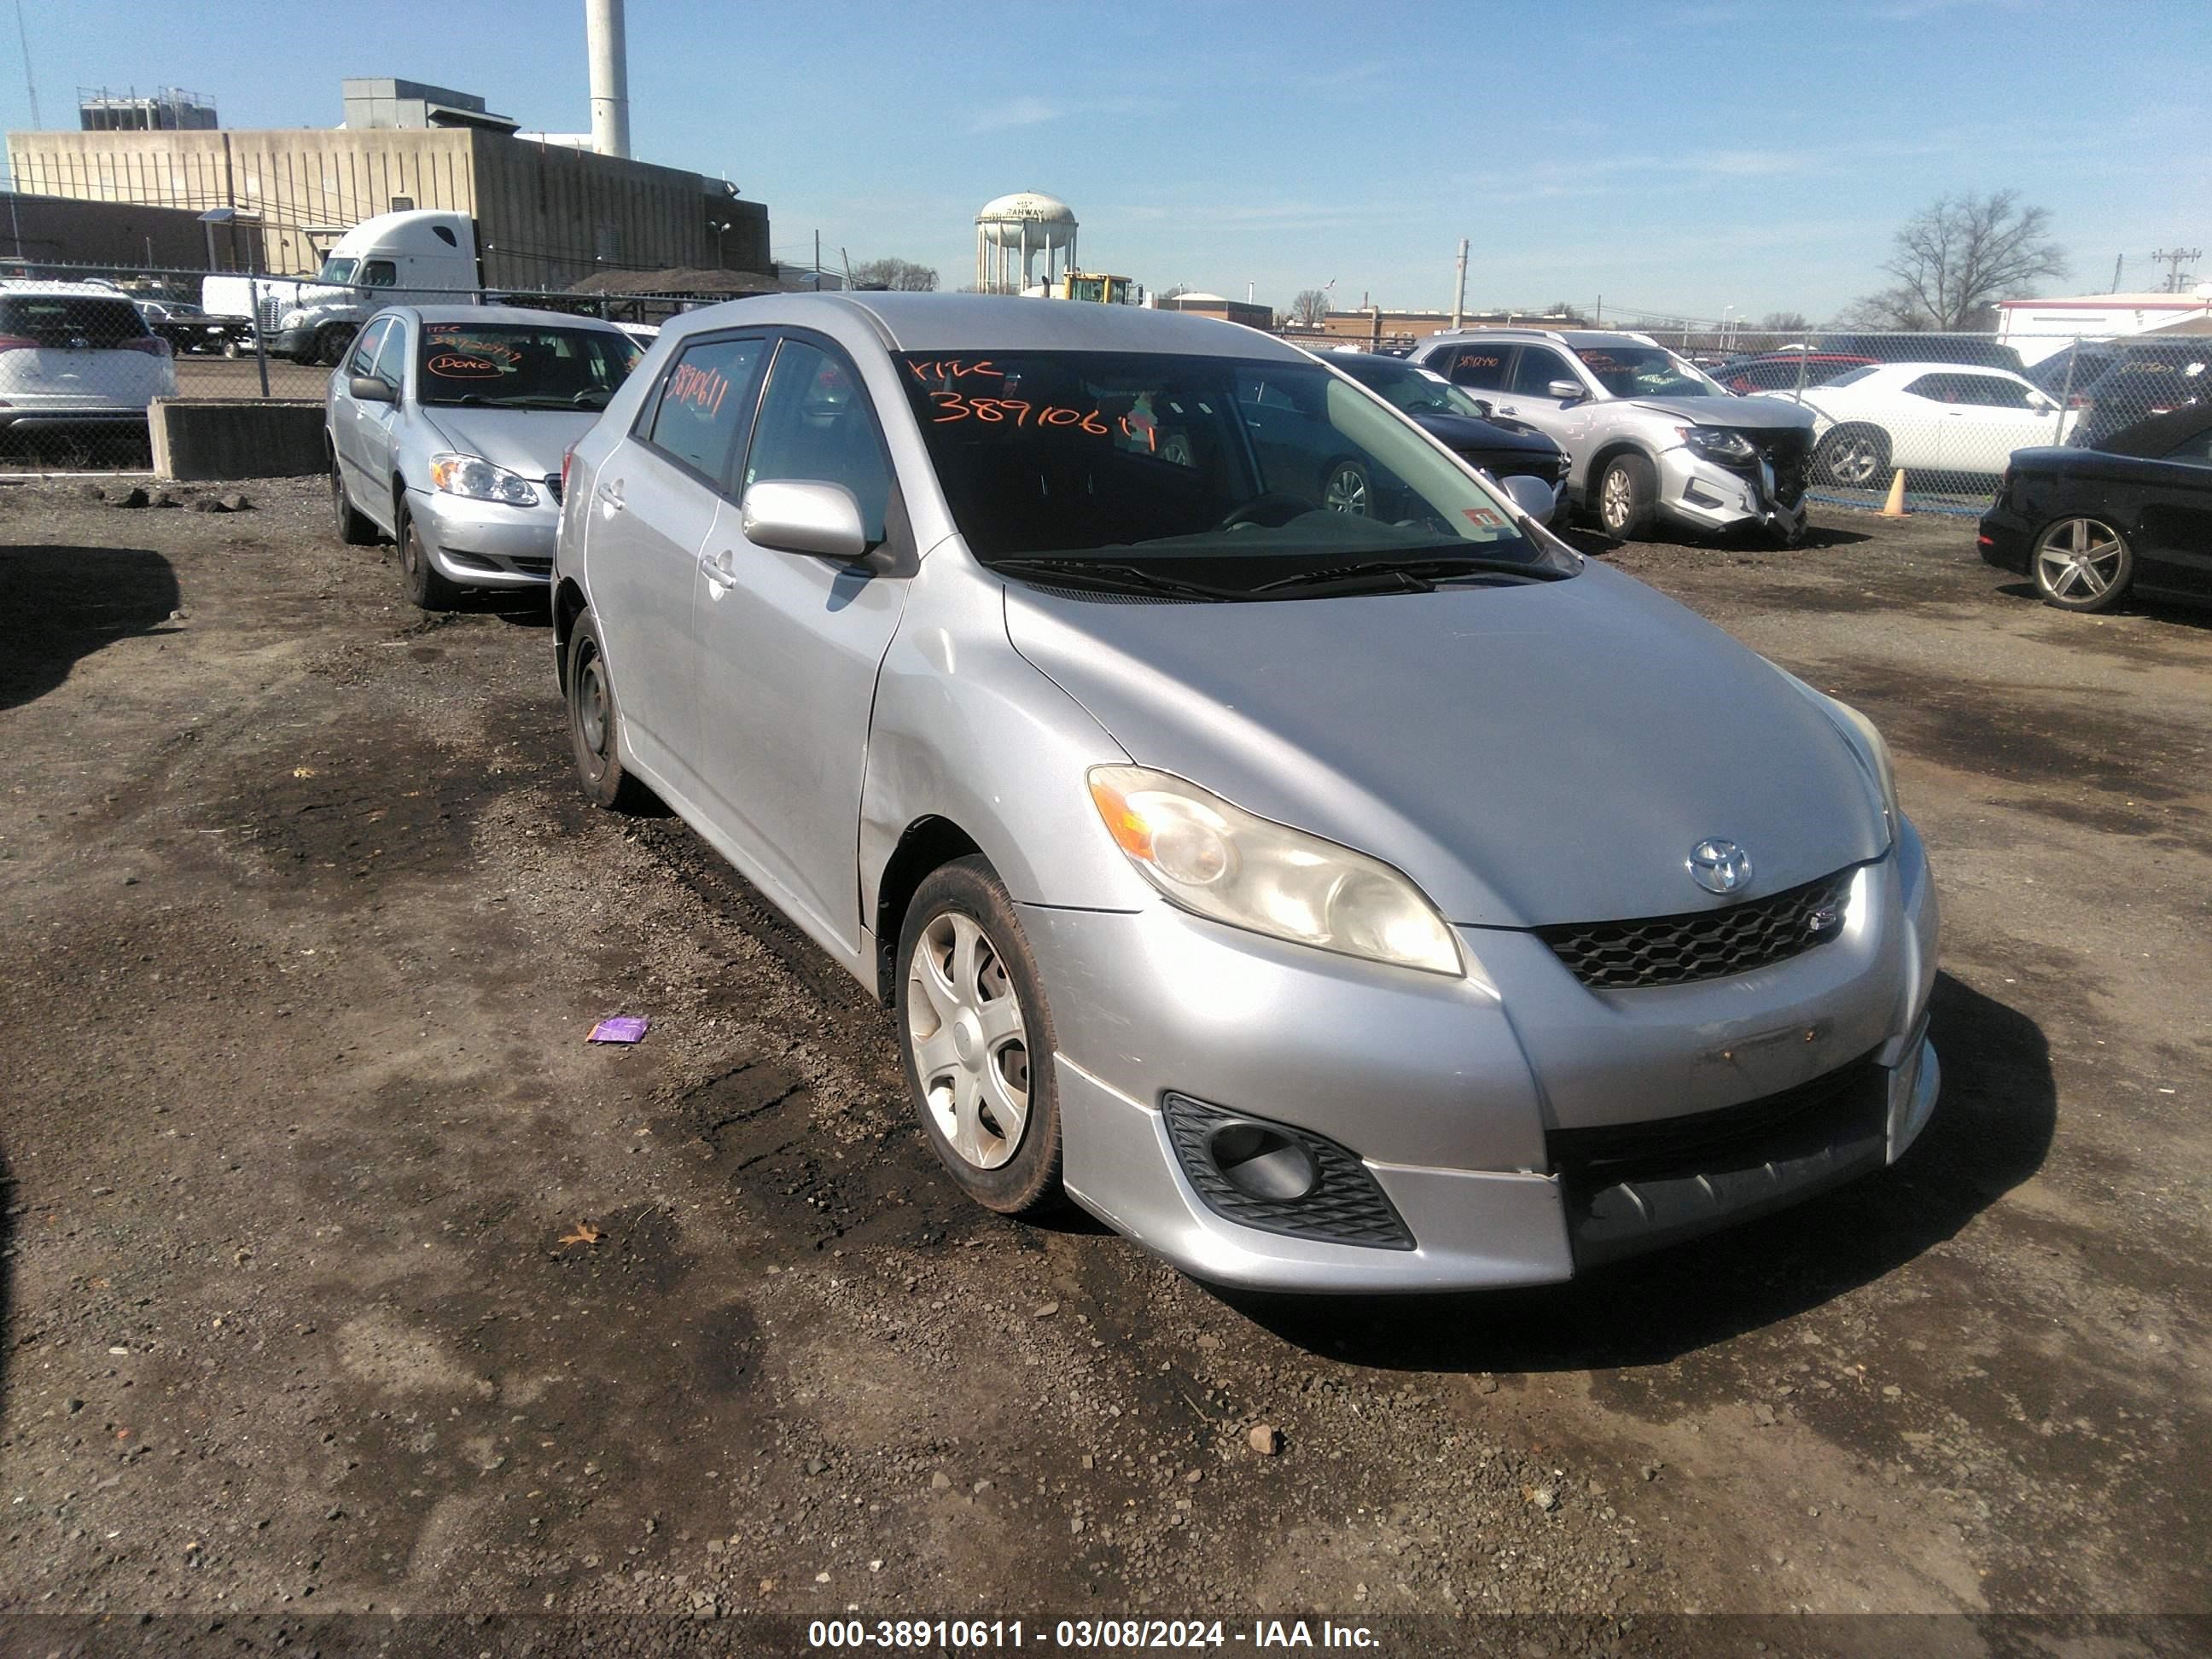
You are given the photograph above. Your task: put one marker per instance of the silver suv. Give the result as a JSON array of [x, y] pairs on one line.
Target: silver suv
[[1647, 435]]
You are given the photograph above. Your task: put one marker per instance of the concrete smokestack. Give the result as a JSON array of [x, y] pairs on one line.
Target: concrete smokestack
[[610, 56]]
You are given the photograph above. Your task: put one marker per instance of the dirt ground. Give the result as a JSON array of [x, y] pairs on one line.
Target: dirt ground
[[337, 1275]]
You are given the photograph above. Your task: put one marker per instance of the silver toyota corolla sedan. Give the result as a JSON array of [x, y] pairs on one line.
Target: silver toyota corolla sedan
[[445, 427], [1329, 900]]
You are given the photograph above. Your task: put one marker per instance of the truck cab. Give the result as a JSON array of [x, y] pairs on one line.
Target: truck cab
[[417, 258]]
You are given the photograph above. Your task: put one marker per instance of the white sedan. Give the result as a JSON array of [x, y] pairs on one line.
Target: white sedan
[[1927, 418]]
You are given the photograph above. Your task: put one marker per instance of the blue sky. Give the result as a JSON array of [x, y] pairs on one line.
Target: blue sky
[[1674, 158]]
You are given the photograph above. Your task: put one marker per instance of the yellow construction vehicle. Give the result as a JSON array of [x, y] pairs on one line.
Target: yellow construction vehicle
[[1095, 286]]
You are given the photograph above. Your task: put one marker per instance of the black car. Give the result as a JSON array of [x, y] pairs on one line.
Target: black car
[[1786, 371], [1503, 447], [2089, 525], [1960, 350], [2148, 378]]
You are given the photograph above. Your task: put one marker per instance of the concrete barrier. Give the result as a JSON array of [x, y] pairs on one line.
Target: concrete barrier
[[205, 440]]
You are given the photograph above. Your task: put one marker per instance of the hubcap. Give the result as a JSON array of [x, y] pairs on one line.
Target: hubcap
[[970, 1047], [1615, 502], [592, 707], [1855, 462], [2078, 559], [1347, 492]]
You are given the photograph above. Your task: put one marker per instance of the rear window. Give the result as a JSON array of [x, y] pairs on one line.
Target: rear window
[[59, 319]]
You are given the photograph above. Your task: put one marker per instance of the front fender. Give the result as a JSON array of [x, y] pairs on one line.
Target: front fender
[[965, 729]]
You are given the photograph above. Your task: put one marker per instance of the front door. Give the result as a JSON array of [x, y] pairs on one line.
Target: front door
[[346, 421], [654, 499], [789, 643], [376, 424]]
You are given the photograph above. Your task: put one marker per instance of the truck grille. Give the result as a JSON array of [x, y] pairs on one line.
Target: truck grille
[[1621, 956]]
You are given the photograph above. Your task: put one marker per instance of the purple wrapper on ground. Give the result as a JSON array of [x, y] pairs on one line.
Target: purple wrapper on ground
[[623, 1028]]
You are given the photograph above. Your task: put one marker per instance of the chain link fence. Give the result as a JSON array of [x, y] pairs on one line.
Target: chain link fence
[[84, 350]]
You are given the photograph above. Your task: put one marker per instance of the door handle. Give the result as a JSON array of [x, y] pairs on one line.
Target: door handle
[[610, 495], [1507, 409], [720, 569]]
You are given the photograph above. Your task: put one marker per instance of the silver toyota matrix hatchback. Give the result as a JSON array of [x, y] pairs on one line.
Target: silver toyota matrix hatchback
[[1332, 894]]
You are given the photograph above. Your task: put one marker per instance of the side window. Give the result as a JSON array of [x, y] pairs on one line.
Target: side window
[[2197, 450], [1991, 393], [815, 426], [379, 273], [392, 355], [1937, 388], [702, 405], [363, 360], [1480, 366], [1537, 369]]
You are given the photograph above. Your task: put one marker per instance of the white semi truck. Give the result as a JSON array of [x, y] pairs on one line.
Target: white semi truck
[[419, 257]]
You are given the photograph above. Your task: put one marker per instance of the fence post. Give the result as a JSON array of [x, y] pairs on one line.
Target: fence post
[[261, 346], [2066, 391], [1801, 373]]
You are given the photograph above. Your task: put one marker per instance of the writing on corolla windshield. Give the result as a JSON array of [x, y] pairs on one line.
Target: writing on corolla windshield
[[978, 405]]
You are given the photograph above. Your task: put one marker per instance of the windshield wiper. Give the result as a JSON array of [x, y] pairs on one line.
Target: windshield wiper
[[1109, 576], [1426, 573]]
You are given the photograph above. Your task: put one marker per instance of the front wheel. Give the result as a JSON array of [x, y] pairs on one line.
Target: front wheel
[[1854, 457], [975, 1036], [2082, 564], [1345, 488], [426, 588], [1628, 496], [332, 344]]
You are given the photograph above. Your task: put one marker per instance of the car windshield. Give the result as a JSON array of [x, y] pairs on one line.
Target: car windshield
[[1416, 391], [1224, 471], [522, 365], [338, 270], [1646, 371]]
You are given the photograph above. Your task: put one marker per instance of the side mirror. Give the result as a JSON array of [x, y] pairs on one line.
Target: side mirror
[[367, 389], [1482, 408], [1568, 392], [805, 516], [1532, 495]]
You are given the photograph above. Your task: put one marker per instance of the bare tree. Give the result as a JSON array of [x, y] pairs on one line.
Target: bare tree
[[1784, 322], [1172, 291], [1307, 307], [1954, 260], [902, 274]]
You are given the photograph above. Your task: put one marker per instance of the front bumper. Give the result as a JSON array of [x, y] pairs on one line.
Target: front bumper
[[1457, 1102], [300, 344], [1706, 496], [486, 543]]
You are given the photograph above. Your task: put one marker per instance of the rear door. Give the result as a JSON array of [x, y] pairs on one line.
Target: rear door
[[789, 645], [654, 499]]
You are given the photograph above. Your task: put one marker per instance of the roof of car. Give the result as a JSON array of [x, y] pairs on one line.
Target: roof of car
[[968, 322], [504, 314], [39, 290], [1577, 337]]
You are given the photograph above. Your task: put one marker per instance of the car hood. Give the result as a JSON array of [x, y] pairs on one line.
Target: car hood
[[1760, 414], [530, 442], [1466, 432], [1532, 755]]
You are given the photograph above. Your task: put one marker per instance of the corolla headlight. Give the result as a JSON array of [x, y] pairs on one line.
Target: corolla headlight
[[480, 481], [1717, 443], [1220, 861]]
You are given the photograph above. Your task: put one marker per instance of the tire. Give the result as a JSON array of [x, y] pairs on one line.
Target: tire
[[356, 529], [426, 588], [1346, 488], [985, 1020], [332, 344], [1628, 496], [2081, 563], [595, 725], [1853, 458]]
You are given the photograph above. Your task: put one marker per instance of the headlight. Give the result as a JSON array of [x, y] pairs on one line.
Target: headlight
[[480, 481], [292, 320], [1220, 861], [1717, 443]]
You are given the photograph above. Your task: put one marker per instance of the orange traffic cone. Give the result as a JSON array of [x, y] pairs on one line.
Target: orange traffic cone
[[1894, 507]]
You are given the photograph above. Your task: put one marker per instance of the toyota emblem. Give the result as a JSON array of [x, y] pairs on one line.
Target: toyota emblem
[[1719, 866]]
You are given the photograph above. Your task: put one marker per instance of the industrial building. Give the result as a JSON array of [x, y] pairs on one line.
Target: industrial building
[[550, 210]]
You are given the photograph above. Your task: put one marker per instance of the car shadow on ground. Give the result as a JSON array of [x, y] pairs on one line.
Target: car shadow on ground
[[1597, 545], [1991, 1131], [8, 1202], [2180, 615], [60, 604]]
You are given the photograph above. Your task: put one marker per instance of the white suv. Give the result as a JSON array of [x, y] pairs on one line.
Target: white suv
[[1647, 435], [76, 356]]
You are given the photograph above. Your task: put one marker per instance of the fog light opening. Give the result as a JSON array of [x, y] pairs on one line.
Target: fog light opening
[[1263, 1163]]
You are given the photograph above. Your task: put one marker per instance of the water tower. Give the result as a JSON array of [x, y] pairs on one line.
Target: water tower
[[1010, 232]]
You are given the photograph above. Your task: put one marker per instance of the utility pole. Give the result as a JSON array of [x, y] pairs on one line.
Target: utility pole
[[1597, 312], [818, 262], [1459, 290], [2173, 258], [2118, 260]]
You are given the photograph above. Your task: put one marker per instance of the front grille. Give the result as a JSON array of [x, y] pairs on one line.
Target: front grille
[[530, 565], [553, 487], [1621, 956], [1346, 1207], [1788, 1124], [1788, 453]]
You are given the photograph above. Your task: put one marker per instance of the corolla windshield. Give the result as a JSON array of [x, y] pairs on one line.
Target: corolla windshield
[[1647, 372], [1208, 477], [523, 365]]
